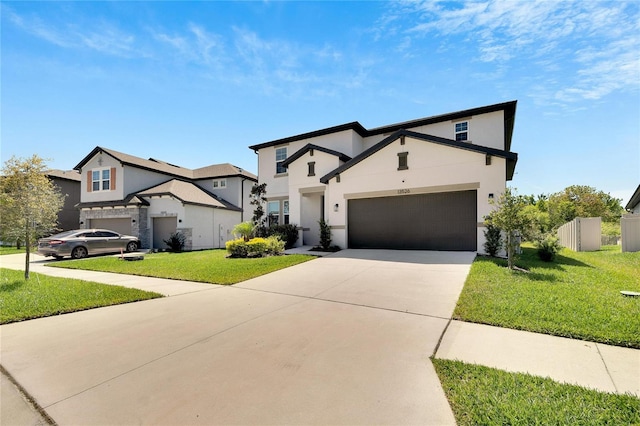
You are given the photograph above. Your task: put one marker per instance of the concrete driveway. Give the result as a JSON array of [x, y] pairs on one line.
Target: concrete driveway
[[343, 339]]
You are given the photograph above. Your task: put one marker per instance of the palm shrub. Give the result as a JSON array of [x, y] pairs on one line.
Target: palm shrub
[[176, 242], [548, 247], [244, 230]]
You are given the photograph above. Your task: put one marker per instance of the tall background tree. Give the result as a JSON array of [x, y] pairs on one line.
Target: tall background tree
[[29, 202]]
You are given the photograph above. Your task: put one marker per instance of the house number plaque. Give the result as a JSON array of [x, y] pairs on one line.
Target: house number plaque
[[404, 191]]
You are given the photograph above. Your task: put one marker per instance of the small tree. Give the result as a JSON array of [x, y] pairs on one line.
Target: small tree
[[493, 237], [325, 234], [30, 202], [511, 218], [258, 198], [176, 242]]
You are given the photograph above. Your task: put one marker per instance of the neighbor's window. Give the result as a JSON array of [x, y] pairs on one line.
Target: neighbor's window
[[281, 155], [101, 180], [403, 164], [222, 183], [462, 131]]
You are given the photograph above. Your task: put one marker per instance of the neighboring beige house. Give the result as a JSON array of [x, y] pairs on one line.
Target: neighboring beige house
[[152, 199], [68, 183], [421, 184], [633, 206], [630, 224]]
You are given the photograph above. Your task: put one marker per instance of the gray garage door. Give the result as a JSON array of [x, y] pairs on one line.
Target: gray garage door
[[163, 227], [441, 221], [120, 225]]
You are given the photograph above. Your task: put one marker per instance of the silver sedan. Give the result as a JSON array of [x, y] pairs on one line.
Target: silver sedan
[[81, 243]]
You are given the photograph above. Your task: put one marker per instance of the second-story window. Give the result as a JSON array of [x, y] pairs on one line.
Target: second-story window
[[222, 183], [101, 180], [462, 131], [281, 155]]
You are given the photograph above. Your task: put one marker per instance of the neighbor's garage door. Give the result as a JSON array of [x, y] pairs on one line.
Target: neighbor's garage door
[[120, 225], [440, 221], [163, 227]]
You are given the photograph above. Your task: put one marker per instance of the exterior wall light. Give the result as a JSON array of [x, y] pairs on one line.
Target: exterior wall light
[[335, 207], [491, 196]]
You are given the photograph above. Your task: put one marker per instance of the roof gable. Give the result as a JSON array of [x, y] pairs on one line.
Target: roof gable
[[511, 157], [308, 147], [188, 193]]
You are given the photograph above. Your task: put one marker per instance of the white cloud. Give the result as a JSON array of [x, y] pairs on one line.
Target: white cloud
[[593, 45], [102, 37]]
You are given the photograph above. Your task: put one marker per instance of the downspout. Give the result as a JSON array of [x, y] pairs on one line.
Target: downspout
[[213, 226], [242, 199]]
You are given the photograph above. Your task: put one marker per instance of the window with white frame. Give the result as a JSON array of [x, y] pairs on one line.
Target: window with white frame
[[101, 180], [281, 155], [220, 183], [462, 131]]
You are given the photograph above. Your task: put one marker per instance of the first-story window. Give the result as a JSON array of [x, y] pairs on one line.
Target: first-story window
[[462, 131], [273, 212], [278, 212], [101, 180], [281, 155]]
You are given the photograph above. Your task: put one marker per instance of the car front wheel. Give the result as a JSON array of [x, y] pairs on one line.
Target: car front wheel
[[79, 253], [132, 246]]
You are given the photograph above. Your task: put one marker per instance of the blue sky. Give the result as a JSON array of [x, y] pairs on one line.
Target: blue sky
[[196, 83]]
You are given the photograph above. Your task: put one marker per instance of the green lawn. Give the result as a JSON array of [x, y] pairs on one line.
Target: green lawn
[[208, 266], [485, 396], [42, 295], [11, 250], [576, 296]]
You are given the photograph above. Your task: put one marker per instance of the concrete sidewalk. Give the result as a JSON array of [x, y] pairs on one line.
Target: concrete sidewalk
[[592, 365]]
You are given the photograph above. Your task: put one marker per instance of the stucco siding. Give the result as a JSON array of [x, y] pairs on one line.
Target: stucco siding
[[431, 168], [102, 161]]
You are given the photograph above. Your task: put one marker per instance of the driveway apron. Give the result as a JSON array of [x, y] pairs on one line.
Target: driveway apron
[[343, 339]]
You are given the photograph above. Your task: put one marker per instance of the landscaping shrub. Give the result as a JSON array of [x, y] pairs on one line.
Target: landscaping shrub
[[237, 248], [275, 246], [325, 234], [493, 241], [257, 246], [176, 242], [287, 233], [547, 248]]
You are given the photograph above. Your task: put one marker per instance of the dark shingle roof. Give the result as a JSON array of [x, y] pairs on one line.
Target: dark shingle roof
[[65, 174], [509, 109], [208, 172]]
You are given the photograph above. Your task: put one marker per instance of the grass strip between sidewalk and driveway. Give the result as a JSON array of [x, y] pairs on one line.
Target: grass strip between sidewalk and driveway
[[577, 296], [487, 396], [207, 266], [43, 295]]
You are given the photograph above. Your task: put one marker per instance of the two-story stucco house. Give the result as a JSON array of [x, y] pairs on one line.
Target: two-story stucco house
[[152, 199], [421, 184]]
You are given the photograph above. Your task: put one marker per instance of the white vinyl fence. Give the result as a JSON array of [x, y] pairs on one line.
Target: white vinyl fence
[[581, 234], [630, 227]]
